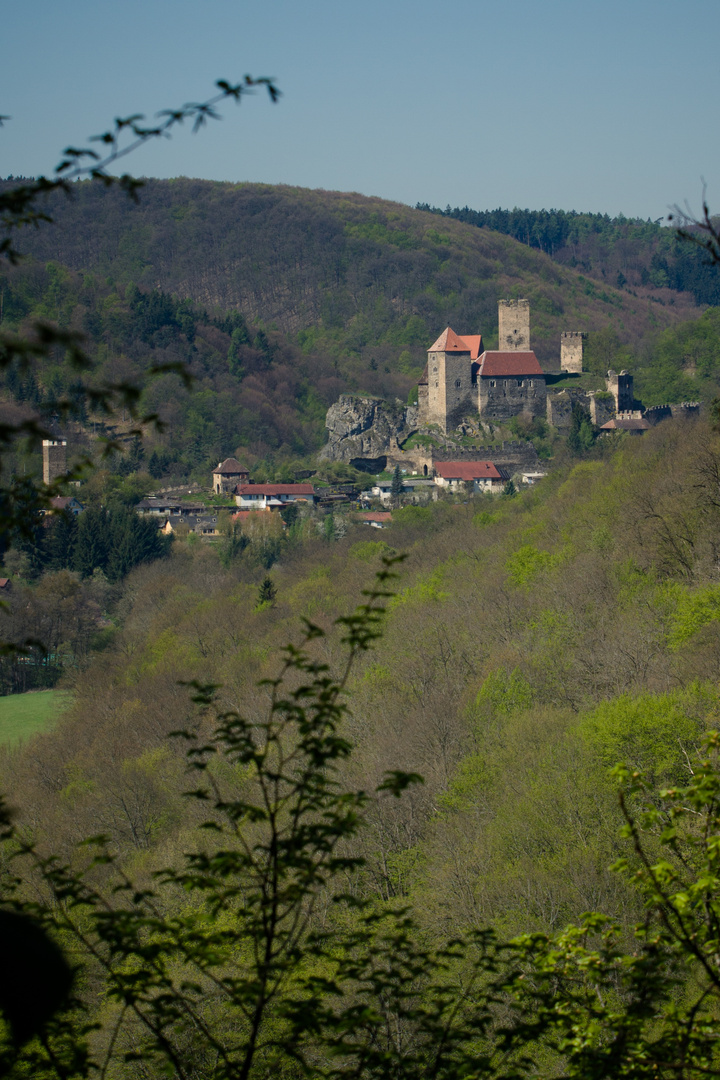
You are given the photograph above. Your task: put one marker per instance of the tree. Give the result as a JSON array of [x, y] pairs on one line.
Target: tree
[[397, 486], [267, 592]]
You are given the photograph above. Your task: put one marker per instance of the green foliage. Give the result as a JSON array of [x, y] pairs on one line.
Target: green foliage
[[504, 692], [368, 551], [527, 563]]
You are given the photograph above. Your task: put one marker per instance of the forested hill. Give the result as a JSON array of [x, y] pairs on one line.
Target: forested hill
[[279, 299], [357, 278], [627, 252]]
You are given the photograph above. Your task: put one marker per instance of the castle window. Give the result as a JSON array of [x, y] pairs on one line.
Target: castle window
[[458, 384], [493, 383], [519, 382]]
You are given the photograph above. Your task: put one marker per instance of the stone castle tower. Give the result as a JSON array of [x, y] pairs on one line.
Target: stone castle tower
[[54, 453], [621, 388], [514, 325], [572, 350], [449, 380]]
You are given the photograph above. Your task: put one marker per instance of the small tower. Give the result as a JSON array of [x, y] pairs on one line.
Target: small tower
[[54, 453], [621, 388], [514, 325], [572, 350]]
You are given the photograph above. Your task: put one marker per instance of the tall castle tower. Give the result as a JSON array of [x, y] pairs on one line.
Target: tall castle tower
[[572, 350], [449, 381], [514, 325], [54, 453]]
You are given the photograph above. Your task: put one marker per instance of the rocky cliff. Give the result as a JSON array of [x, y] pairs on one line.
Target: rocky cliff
[[365, 429]]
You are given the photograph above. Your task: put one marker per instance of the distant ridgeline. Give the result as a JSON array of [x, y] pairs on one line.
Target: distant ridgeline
[[599, 244]]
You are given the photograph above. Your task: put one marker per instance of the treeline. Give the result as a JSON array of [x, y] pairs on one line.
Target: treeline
[[600, 243]]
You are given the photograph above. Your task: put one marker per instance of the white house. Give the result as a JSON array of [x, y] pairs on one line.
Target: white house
[[272, 496]]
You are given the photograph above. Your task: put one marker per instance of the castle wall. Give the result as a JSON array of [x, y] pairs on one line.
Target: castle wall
[[560, 406], [572, 347], [423, 403], [514, 325], [501, 398]]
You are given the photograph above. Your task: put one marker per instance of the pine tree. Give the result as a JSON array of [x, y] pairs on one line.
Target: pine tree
[[267, 592], [397, 486]]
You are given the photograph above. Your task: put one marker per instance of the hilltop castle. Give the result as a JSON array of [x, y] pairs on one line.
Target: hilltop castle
[[462, 379]]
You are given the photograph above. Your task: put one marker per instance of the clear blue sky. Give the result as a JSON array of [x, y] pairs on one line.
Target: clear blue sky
[[608, 105]]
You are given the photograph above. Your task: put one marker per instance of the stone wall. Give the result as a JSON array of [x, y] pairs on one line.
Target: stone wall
[[560, 405], [502, 398]]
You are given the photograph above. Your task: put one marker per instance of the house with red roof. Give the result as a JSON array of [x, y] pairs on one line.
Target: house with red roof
[[482, 475], [462, 379]]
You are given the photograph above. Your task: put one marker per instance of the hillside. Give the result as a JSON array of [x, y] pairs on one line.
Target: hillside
[[534, 642], [358, 276], [279, 299], [630, 253]]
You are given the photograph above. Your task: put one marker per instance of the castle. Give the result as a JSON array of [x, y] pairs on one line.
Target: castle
[[462, 379]]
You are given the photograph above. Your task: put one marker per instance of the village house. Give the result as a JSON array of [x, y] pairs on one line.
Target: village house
[[66, 504], [227, 475], [456, 475], [380, 519], [272, 496]]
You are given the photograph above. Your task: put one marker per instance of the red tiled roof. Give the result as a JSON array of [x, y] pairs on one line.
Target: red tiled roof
[[245, 515], [4, 582], [230, 465], [275, 489], [506, 364], [449, 341], [380, 516], [467, 470], [474, 343]]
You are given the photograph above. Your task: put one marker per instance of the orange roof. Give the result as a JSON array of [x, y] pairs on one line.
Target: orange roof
[[466, 470], [509, 364], [474, 343], [449, 341], [379, 516]]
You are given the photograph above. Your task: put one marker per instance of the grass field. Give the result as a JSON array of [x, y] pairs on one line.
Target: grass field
[[23, 715]]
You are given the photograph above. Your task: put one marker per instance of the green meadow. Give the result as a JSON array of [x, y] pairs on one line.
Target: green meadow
[[24, 715]]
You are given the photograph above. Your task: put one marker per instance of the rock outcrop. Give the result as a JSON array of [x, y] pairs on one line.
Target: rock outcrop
[[366, 429]]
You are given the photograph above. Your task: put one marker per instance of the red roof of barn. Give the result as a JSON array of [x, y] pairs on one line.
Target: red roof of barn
[[467, 470], [378, 516], [509, 364], [275, 489]]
